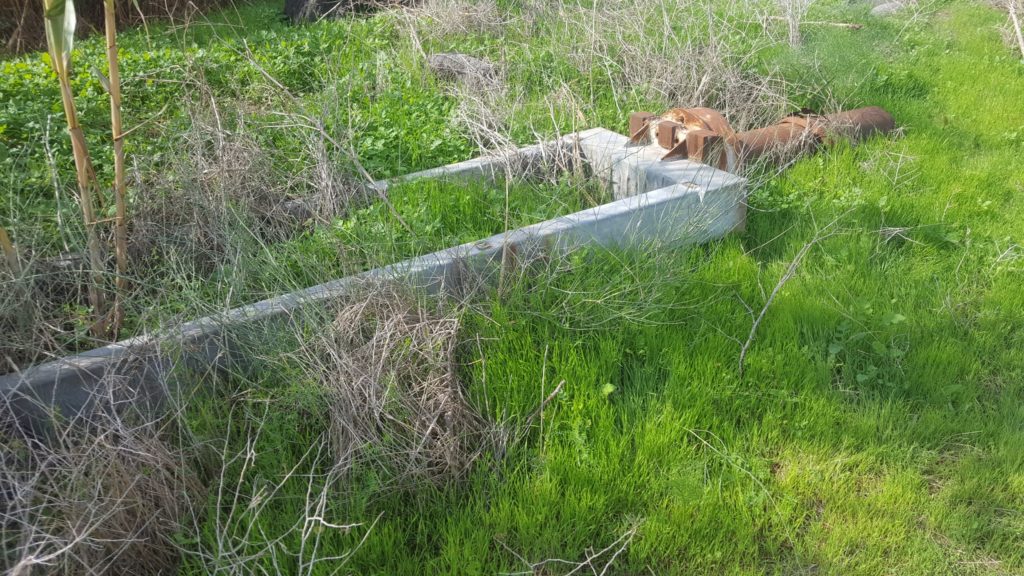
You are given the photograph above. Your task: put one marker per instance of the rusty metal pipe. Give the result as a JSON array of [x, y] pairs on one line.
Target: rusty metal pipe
[[860, 124], [780, 141], [800, 134]]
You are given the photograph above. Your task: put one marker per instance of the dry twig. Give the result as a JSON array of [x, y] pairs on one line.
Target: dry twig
[[1011, 6], [819, 236]]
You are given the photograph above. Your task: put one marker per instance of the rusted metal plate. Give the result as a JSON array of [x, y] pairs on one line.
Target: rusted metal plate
[[639, 125], [680, 150], [706, 147], [670, 134]]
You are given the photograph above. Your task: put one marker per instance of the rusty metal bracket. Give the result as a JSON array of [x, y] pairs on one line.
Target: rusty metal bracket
[[700, 134], [639, 126], [680, 150], [671, 134], [706, 147]]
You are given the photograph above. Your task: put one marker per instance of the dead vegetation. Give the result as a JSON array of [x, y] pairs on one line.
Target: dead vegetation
[[650, 51], [484, 115], [106, 493], [436, 19], [227, 184], [222, 187], [38, 307], [387, 365], [118, 490], [1013, 35], [212, 204], [793, 14], [125, 492], [21, 21], [639, 47], [309, 10]]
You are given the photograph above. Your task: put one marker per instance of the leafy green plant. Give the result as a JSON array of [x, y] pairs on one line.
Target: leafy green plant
[[868, 352]]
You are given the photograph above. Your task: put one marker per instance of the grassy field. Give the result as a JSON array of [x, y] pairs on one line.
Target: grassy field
[[876, 426]]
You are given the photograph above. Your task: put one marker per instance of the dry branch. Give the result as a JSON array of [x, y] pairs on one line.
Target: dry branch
[[103, 494], [847, 25], [819, 236], [589, 565]]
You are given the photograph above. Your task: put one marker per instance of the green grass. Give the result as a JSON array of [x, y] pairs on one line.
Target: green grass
[[443, 214], [877, 428], [436, 215]]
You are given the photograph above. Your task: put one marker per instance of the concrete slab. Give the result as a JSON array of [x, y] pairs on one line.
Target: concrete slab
[[659, 203]]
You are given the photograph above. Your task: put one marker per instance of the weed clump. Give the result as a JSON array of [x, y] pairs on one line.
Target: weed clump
[[221, 194], [387, 363], [438, 19], [42, 307]]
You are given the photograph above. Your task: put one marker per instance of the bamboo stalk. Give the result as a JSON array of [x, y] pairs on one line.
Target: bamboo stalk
[[120, 227], [60, 57]]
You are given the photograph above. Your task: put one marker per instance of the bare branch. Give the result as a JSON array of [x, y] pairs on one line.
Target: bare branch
[[819, 236]]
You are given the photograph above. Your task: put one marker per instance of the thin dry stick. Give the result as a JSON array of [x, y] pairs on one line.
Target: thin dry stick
[[1012, 6], [539, 410], [790, 271], [120, 228], [616, 548]]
